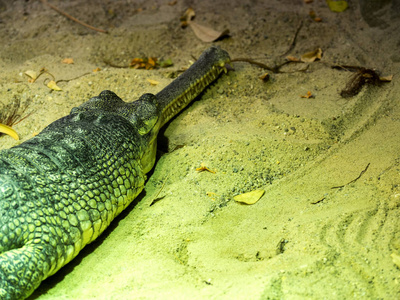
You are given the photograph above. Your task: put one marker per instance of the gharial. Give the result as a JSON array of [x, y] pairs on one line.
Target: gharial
[[61, 189]]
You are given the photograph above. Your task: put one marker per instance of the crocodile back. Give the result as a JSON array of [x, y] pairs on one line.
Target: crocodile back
[[62, 188]]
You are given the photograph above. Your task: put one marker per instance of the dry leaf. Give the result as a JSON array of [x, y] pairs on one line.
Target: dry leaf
[[68, 61], [250, 197], [151, 63], [96, 70], [264, 77], [52, 85], [337, 6], [9, 131], [312, 56], [171, 3], [292, 58], [32, 74], [204, 33], [148, 63], [313, 16], [308, 95], [204, 168], [207, 34], [152, 82], [386, 78], [187, 17]]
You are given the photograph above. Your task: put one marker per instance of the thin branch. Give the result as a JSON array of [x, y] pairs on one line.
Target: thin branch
[[72, 18], [275, 69], [293, 43], [354, 180]]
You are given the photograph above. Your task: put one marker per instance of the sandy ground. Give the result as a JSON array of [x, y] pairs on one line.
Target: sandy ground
[[302, 239]]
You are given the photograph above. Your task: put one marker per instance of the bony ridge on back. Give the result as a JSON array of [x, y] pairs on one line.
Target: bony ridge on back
[[61, 189]]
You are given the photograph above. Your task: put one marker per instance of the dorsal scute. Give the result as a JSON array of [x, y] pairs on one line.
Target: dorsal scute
[[142, 113]]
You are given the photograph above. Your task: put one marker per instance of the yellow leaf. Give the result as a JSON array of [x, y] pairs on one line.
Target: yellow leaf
[[308, 95], [386, 78], [250, 197], [312, 56], [8, 130], [52, 85], [31, 74], [264, 77], [152, 82], [337, 6], [68, 61]]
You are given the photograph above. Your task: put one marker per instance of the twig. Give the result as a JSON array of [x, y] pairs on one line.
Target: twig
[[354, 180], [68, 80], [155, 199], [253, 62], [72, 18], [276, 69], [318, 201], [293, 43]]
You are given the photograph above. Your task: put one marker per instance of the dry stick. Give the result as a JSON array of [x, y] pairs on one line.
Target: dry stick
[[293, 43], [340, 186], [159, 191], [72, 18], [354, 180], [275, 69], [253, 62]]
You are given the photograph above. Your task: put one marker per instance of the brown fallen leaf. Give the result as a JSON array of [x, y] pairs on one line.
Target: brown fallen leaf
[[188, 16], [386, 78], [264, 77], [204, 168], [68, 61], [204, 33], [207, 34], [308, 95], [292, 58], [312, 56], [32, 76], [147, 63], [313, 16]]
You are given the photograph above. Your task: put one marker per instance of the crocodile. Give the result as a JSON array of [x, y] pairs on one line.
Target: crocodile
[[61, 189]]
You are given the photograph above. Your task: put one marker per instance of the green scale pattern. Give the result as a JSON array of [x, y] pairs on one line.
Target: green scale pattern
[[70, 187], [61, 189]]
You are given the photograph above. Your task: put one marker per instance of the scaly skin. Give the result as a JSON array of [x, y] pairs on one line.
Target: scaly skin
[[61, 189]]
